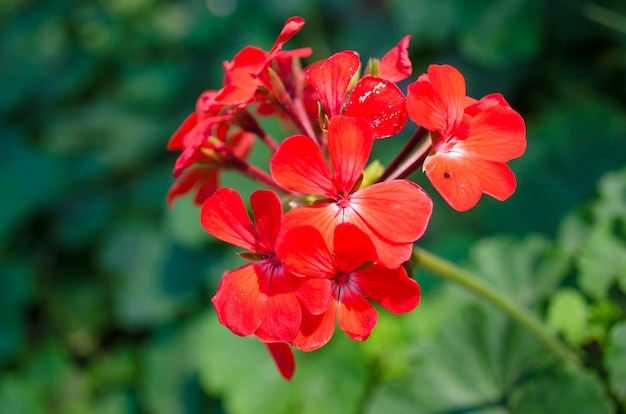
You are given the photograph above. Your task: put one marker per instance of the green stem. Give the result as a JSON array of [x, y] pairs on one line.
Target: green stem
[[473, 283]]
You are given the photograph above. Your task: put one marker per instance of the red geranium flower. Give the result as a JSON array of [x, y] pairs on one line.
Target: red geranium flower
[[354, 277], [393, 213], [471, 140], [378, 100], [260, 297], [248, 69], [207, 139]]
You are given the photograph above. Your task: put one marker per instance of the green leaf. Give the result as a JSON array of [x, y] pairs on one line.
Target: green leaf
[[602, 262], [529, 270], [568, 314], [241, 371], [562, 392], [472, 365], [615, 361], [611, 204]]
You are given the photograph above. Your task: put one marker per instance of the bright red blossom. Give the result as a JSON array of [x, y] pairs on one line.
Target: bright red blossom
[[353, 275], [471, 140], [248, 69], [208, 141], [378, 100], [392, 213], [261, 297], [343, 241]]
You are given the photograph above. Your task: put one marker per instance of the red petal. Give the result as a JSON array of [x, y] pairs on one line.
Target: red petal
[[391, 288], [356, 316], [450, 85], [398, 210], [349, 145], [449, 174], [473, 107], [239, 83], [353, 248], [497, 133], [268, 213], [304, 252], [282, 317], [331, 78], [176, 141], [436, 102], [225, 217], [292, 26], [299, 165], [240, 301], [207, 186], [324, 217], [313, 293], [204, 178], [380, 102], [316, 330], [496, 179], [283, 357], [241, 143], [391, 254], [396, 65]]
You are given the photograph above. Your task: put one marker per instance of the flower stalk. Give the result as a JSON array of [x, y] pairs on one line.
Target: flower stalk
[[449, 271]]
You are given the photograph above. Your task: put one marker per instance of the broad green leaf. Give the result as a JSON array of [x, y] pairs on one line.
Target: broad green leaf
[[562, 392], [602, 262], [330, 380], [615, 361], [529, 270], [568, 314], [611, 204], [391, 345], [240, 370], [169, 383], [472, 365]]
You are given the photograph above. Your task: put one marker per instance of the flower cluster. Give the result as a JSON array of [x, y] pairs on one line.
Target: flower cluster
[[327, 236]]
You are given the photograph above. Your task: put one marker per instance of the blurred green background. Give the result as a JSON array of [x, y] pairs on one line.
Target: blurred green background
[[105, 292]]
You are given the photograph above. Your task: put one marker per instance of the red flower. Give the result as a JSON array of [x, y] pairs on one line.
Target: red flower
[[393, 213], [207, 140], [471, 140], [260, 297], [378, 100], [354, 277], [248, 69]]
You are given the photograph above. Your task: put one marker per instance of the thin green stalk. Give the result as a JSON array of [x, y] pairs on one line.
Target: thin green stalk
[[514, 310]]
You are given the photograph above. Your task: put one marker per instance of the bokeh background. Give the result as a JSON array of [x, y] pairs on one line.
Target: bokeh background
[[105, 291]]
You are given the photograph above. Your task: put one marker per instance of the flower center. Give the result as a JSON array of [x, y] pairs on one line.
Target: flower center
[[343, 200], [342, 279]]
